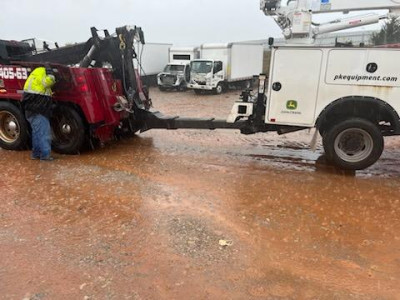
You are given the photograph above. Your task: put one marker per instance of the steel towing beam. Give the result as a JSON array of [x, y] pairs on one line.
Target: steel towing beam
[[254, 124], [156, 120]]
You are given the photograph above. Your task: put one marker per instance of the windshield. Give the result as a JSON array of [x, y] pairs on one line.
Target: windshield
[[174, 68], [202, 66]]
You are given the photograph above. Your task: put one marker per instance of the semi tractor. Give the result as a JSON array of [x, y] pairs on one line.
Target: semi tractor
[[350, 95], [226, 65], [176, 74]]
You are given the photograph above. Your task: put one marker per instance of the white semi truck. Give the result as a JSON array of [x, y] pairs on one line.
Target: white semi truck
[[176, 74], [223, 65]]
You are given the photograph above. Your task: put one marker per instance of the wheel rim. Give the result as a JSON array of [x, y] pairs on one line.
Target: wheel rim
[[9, 127], [219, 89], [354, 145], [63, 128]]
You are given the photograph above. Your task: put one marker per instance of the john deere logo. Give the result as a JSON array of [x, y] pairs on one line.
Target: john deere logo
[[291, 105]]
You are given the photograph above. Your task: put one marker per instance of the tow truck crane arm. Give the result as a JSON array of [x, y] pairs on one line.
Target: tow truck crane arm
[[295, 19]]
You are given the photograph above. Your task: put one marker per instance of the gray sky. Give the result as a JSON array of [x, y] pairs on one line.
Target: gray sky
[[182, 22]]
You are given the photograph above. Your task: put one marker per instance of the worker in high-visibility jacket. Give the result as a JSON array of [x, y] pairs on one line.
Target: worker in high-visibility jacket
[[38, 104]]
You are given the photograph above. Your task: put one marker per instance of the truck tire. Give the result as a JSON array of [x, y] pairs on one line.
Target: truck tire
[[219, 89], [14, 129], [182, 87], [162, 89], [198, 92], [69, 133], [353, 144]]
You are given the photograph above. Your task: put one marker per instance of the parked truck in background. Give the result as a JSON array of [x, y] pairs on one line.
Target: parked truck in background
[[176, 74], [222, 66]]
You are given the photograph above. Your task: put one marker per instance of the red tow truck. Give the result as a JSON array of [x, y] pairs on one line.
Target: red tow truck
[[91, 104], [99, 94]]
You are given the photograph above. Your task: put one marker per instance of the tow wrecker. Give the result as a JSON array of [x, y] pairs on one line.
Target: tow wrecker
[[350, 95], [99, 93]]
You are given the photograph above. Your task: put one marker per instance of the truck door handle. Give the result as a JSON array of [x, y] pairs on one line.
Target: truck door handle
[[277, 86]]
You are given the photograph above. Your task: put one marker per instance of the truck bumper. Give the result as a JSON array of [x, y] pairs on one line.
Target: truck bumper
[[200, 87], [169, 86]]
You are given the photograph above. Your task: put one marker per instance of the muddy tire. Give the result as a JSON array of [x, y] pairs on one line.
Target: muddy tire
[[14, 132], [354, 144], [182, 87], [69, 131], [219, 89]]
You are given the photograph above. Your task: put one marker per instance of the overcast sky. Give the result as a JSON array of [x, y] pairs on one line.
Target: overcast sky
[[182, 22]]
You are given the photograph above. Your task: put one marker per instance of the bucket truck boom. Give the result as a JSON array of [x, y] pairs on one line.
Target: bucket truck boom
[[295, 19]]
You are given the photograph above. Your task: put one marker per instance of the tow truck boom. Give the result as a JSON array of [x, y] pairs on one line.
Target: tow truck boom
[[295, 19]]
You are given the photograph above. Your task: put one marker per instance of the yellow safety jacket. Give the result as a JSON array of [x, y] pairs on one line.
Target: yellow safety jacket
[[39, 82]]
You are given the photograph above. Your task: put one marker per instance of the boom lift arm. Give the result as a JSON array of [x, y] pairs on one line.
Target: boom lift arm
[[295, 19], [116, 50]]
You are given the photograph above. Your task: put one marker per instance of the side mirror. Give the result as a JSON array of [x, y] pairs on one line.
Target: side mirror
[[271, 41]]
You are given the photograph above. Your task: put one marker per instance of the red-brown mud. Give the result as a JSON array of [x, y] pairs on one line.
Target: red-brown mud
[[145, 218]]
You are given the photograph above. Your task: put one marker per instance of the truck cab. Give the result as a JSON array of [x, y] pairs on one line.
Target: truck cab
[[223, 66], [207, 75], [175, 76]]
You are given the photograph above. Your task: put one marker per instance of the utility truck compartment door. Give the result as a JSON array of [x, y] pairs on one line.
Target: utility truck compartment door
[[361, 67], [294, 81]]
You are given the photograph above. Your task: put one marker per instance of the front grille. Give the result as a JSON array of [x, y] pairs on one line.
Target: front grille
[[168, 79], [201, 82]]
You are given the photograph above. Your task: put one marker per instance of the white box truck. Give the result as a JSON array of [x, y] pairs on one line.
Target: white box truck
[[176, 74], [224, 65]]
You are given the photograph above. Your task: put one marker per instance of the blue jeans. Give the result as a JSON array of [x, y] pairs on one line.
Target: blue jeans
[[41, 136]]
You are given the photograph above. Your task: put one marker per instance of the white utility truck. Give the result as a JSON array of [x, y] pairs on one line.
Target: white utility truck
[[225, 65], [176, 74], [351, 95]]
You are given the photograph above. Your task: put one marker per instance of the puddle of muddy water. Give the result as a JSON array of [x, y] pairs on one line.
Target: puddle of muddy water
[[143, 218]]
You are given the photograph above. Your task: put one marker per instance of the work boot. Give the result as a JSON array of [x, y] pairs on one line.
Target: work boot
[[50, 158]]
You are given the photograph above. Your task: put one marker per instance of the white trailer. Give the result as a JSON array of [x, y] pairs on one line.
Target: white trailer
[[225, 65], [176, 74], [153, 57]]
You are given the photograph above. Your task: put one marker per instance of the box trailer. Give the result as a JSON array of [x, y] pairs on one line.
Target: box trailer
[[224, 65], [153, 57]]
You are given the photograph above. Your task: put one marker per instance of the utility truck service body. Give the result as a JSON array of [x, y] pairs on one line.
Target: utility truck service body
[[225, 65], [306, 81], [176, 74]]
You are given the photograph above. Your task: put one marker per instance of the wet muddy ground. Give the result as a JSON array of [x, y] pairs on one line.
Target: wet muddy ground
[[199, 215]]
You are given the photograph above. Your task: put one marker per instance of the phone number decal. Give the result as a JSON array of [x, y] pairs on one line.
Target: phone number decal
[[13, 73]]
